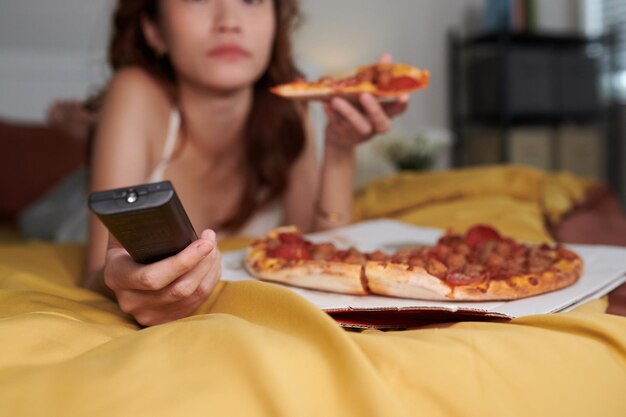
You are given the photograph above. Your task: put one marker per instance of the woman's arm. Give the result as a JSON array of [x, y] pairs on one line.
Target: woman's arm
[[299, 200], [136, 110], [120, 154], [325, 200], [349, 124], [322, 198]]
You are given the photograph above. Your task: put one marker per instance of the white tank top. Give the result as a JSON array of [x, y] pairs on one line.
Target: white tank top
[[259, 224], [158, 173]]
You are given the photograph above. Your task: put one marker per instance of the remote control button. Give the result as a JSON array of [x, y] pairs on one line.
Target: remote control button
[[132, 197]]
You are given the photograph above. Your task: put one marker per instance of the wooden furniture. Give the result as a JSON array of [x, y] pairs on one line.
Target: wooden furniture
[[505, 82]]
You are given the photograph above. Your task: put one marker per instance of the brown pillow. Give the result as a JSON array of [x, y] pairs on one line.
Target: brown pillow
[[33, 158]]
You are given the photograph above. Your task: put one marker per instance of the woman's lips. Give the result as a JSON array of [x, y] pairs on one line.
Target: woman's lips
[[228, 51]]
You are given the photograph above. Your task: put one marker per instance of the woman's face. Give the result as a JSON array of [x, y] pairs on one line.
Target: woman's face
[[220, 44]]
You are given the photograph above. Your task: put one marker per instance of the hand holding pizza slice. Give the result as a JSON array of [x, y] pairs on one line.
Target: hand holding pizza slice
[[480, 265]]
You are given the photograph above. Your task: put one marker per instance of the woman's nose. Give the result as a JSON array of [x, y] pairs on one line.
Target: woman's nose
[[227, 16]]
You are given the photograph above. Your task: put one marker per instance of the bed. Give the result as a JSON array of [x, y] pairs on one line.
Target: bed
[[258, 349]]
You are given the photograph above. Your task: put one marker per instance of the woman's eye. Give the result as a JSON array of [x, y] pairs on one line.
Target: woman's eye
[[252, 2]]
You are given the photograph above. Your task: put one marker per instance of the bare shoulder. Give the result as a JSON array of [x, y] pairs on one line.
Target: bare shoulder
[[137, 79], [134, 89], [137, 101], [131, 128]]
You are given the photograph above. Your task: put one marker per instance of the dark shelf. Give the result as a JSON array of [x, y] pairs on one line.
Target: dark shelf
[[531, 38], [503, 80], [498, 121]]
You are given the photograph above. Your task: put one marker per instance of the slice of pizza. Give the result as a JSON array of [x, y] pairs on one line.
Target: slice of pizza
[[285, 256], [480, 265], [381, 80]]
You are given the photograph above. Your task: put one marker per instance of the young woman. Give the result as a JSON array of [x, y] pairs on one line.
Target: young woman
[[189, 102]]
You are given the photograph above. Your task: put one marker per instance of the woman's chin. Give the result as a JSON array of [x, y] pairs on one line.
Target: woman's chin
[[230, 83], [230, 88]]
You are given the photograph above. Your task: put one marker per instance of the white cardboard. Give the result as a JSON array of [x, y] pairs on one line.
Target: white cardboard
[[604, 269]]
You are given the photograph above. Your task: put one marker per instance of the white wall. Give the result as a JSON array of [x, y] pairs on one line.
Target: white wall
[[61, 24], [49, 50], [56, 48], [30, 79]]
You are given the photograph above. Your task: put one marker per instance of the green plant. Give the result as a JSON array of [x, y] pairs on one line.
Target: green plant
[[408, 154]]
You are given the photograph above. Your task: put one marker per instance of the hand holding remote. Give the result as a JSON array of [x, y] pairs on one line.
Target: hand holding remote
[[155, 264], [168, 289]]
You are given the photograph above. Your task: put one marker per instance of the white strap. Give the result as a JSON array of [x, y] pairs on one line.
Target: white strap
[[170, 143]]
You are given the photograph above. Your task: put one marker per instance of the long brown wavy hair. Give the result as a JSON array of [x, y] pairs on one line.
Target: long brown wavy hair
[[274, 132]]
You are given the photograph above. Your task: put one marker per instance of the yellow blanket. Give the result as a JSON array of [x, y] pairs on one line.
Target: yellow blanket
[[517, 200], [255, 349]]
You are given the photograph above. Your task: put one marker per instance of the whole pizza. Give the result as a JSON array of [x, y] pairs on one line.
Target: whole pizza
[[381, 80], [479, 265]]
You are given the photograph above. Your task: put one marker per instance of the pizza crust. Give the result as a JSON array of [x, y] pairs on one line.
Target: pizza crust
[[561, 275], [399, 280], [301, 91], [317, 275]]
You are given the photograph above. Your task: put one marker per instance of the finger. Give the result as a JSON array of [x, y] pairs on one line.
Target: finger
[[209, 282], [385, 58], [189, 284], [398, 106], [160, 274], [377, 115], [118, 263], [113, 242], [350, 114]]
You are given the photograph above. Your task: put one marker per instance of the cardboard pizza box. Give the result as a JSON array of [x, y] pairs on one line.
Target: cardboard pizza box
[[604, 270]]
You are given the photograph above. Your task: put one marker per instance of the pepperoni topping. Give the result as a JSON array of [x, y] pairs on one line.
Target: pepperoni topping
[[323, 251], [289, 246], [480, 234], [442, 252], [291, 251], [291, 238], [397, 84]]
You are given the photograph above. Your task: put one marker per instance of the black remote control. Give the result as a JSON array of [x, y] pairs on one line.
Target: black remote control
[[147, 219]]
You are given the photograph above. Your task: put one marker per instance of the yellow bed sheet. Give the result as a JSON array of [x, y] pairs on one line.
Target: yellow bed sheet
[[518, 200], [256, 349]]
